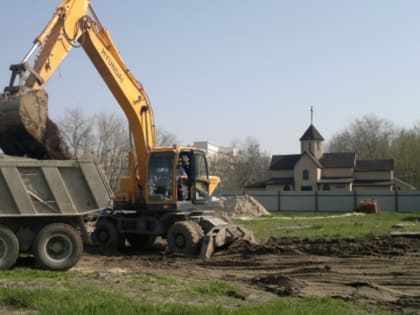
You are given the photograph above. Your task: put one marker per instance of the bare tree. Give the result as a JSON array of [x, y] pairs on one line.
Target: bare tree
[[374, 138], [370, 137], [112, 145], [405, 151], [248, 166], [77, 130], [105, 138], [165, 138]]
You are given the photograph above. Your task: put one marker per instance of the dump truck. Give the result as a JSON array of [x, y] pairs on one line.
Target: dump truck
[[153, 200], [45, 208]]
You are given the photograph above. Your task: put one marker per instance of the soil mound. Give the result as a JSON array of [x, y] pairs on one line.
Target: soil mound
[[243, 206]]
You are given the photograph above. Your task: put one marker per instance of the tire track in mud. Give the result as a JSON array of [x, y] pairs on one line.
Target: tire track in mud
[[382, 271]]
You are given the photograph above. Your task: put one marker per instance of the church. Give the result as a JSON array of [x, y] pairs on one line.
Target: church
[[314, 170]]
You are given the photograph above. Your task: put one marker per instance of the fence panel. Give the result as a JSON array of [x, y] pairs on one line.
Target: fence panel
[[295, 201], [409, 201], [336, 201]]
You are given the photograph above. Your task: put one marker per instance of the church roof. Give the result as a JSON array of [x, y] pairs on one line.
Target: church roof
[[288, 161], [311, 134], [338, 160], [374, 165], [284, 162]]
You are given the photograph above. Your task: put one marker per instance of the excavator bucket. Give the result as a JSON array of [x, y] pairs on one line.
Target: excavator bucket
[[25, 129], [222, 235]]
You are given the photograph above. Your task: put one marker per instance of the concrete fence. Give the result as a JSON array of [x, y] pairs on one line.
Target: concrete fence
[[337, 201]]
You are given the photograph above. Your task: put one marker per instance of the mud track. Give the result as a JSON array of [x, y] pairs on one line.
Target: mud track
[[381, 271]]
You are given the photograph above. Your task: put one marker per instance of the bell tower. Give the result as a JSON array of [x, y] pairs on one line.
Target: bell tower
[[312, 141]]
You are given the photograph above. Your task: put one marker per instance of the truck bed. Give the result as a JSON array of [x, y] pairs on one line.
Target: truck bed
[[51, 187]]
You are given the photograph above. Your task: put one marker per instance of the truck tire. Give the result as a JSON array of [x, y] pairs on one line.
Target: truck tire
[[9, 248], [58, 246], [185, 237], [140, 242], [106, 236]]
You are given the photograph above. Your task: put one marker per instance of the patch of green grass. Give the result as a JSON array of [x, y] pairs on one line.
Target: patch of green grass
[[156, 286], [28, 274], [74, 300], [213, 288], [329, 225], [84, 300]]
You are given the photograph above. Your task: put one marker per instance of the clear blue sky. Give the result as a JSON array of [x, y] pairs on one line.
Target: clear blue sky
[[228, 69]]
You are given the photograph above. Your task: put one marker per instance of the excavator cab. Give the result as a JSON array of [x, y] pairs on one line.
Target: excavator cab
[[177, 175]]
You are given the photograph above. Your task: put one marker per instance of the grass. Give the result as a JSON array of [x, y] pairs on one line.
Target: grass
[[213, 288], [28, 274], [83, 300], [331, 225], [147, 278], [32, 291]]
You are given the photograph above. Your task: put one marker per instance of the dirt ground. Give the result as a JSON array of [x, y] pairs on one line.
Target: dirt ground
[[382, 271]]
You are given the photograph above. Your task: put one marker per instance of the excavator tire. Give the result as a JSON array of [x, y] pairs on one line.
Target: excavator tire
[[184, 237], [106, 236]]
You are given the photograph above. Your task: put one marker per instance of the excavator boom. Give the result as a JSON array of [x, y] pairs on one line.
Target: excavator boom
[[25, 128]]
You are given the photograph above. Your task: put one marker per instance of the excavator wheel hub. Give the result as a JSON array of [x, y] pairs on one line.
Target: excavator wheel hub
[[180, 240]]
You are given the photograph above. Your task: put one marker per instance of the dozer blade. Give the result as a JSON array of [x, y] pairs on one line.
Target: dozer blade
[[25, 129], [222, 235]]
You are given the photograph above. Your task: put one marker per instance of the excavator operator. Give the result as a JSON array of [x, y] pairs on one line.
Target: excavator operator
[[181, 181]]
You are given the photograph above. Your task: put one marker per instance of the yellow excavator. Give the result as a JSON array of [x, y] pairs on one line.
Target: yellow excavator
[[151, 201]]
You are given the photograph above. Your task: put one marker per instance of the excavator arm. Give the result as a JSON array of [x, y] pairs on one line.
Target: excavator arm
[[23, 107], [26, 130]]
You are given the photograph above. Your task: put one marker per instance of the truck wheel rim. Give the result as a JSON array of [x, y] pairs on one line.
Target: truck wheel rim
[[58, 247]]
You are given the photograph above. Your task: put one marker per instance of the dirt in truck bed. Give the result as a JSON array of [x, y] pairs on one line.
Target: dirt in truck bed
[[18, 142], [381, 271]]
